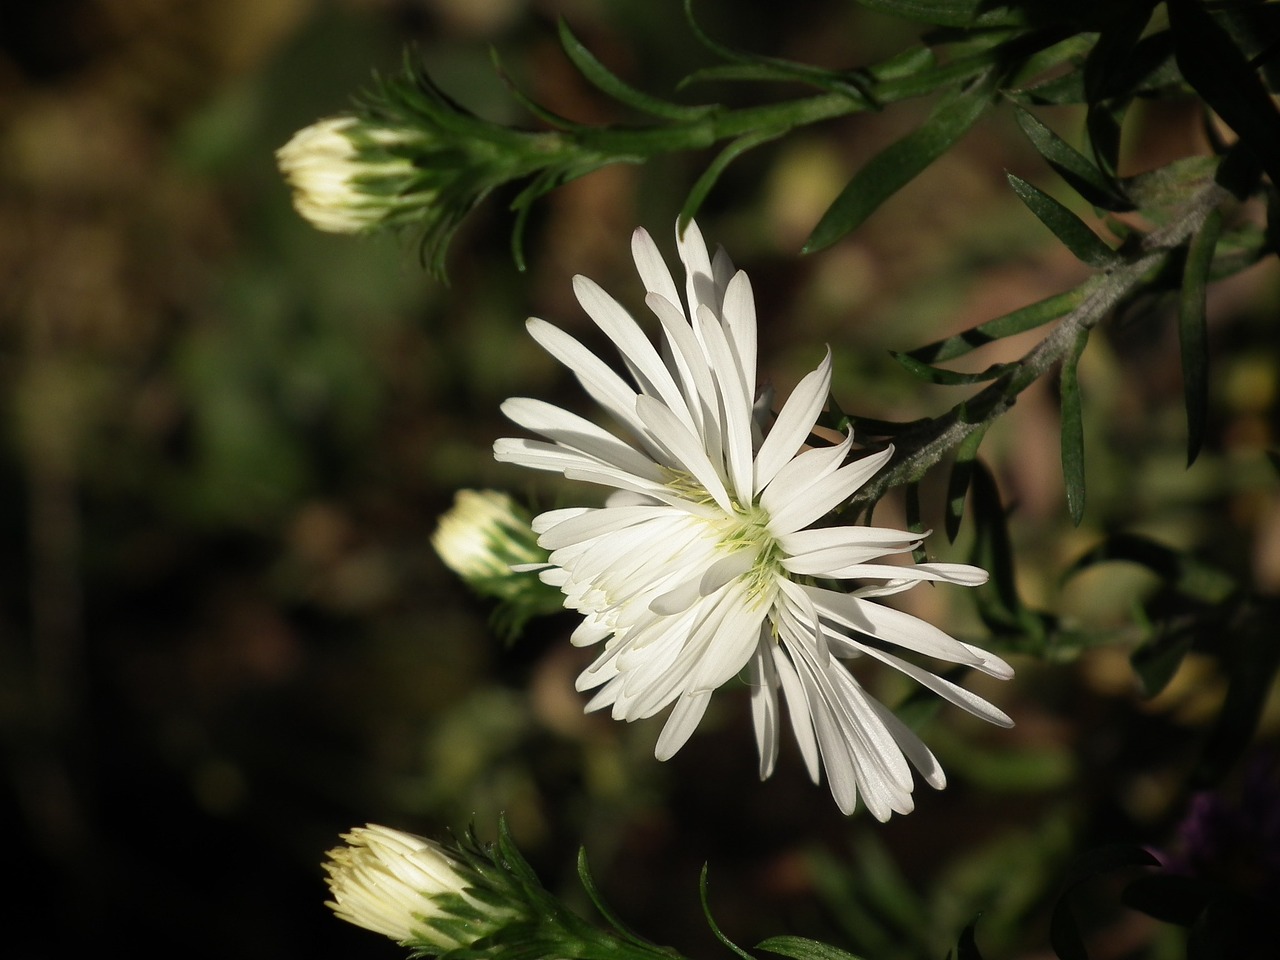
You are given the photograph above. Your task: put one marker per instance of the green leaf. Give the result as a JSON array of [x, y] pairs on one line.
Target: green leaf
[[1193, 331], [950, 13], [1102, 124], [715, 927], [611, 84], [949, 378], [702, 186], [1073, 429], [743, 65], [801, 948], [1219, 72], [967, 945], [898, 164], [597, 899], [1113, 50], [999, 604], [1018, 321], [1083, 177], [958, 482], [1066, 226]]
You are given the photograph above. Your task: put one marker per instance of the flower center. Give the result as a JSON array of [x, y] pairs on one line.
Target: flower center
[[745, 529]]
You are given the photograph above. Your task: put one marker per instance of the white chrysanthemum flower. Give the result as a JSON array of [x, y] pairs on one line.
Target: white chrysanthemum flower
[[344, 180], [408, 888], [705, 562]]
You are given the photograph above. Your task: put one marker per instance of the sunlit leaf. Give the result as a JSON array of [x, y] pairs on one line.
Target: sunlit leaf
[[1018, 321], [801, 948], [1083, 177], [614, 86], [1066, 226], [898, 164], [949, 378], [703, 185]]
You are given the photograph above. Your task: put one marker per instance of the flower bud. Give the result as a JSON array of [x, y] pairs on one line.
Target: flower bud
[[482, 536], [350, 176], [411, 890]]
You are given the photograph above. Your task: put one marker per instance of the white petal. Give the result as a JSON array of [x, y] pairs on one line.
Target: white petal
[[652, 268], [680, 725], [650, 372], [795, 420], [762, 677], [949, 691], [578, 433], [684, 447], [806, 502], [700, 285], [824, 538], [734, 407], [798, 474], [603, 385], [891, 626], [593, 523], [739, 314]]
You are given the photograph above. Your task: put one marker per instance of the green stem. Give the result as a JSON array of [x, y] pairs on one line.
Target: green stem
[[776, 119], [925, 445]]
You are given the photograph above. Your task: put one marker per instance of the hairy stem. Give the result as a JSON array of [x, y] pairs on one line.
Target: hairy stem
[[925, 444]]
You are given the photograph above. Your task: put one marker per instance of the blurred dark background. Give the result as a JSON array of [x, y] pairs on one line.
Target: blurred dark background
[[224, 637]]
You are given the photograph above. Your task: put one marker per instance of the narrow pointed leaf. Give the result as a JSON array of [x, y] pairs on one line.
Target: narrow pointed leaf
[[1102, 124], [610, 83], [1018, 321], [702, 186], [1113, 51], [944, 377], [1066, 226], [801, 948], [597, 899], [899, 163], [1219, 72], [958, 482], [1083, 177], [711, 922], [1193, 331], [1073, 430], [967, 945], [950, 13]]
